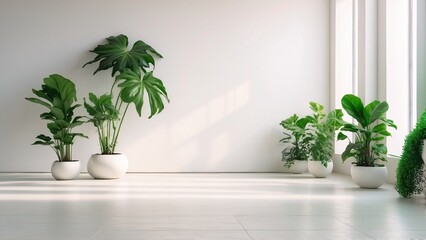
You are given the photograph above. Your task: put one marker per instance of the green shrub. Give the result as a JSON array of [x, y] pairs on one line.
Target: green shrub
[[410, 172]]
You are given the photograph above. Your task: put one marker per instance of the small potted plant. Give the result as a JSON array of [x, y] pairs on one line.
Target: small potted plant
[[323, 128], [297, 140], [367, 149], [134, 80], [58, 95], [410, 178]]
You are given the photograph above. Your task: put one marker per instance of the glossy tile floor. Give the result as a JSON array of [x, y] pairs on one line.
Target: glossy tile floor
[[204, 206]]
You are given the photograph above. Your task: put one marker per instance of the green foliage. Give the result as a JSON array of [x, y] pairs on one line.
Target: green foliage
[[323, 128], [104, 116], [115, 55], [410, 172], [133, 88], [369, 133], [58, 95], [297, 140], [134, 81]]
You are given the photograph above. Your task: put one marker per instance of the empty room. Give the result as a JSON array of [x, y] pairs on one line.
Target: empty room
[[212, 119]]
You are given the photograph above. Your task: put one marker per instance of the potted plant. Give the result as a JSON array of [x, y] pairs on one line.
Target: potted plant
[[367, 149], [297, 139], [58, 95], [323, 127], [410, 178], [134, 79]]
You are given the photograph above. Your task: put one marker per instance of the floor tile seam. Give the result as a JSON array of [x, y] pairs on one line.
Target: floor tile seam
[[286, 215], [248, 234], [96, 233], [145, 216], [354, 228], [176, 230]]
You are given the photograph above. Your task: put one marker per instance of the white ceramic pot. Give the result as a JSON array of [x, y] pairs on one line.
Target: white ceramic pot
[[318, 170], [299, 166], [107, 166], [369, 177], [65, 170]]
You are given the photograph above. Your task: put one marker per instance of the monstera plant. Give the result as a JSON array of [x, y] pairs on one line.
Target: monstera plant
[[58, 95], [133, 83]]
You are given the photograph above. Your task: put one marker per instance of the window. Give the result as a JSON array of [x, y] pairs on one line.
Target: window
[[342, 69], [400, 69], [374, 56]]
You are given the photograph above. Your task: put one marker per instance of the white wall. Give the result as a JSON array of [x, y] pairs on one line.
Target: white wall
[[421, 57], [233, 70]]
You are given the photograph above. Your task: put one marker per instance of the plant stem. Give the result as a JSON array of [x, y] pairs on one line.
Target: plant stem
[[115, 138], [56, 152]]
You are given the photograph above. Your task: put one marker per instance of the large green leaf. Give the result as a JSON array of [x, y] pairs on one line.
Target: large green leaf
[[354, 107], [302, 122], [133, 88], [116, 55], [375, 110], [335, 119], [379, 128], [64, 87], [349, 127]]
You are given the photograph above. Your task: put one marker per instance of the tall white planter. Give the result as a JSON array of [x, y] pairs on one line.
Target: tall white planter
[[65, 170], [107, 166], [318, 170], [369, 177], [298, 167]]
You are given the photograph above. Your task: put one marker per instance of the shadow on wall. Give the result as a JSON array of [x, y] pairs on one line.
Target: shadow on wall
[[186, 138]]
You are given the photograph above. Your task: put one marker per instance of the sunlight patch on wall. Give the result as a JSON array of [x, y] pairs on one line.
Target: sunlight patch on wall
[[211, 113]]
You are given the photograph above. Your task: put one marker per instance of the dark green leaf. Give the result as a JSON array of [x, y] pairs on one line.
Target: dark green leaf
[[354, 107], [44, 137], [57, 113], [375, 110], [63, 86], [350, 128], [379, 128], [38, 101], [133, 88], [302, 122], [389, 122], [341, 136], [42, 143], [116, 55]]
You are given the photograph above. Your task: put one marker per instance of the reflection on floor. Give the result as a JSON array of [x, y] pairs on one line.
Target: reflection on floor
[[257, 206]]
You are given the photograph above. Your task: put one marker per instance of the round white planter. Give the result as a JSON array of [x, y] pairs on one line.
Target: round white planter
[[318, 170], [65, 170], [299, 166], [103, 166], [369, 177]]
